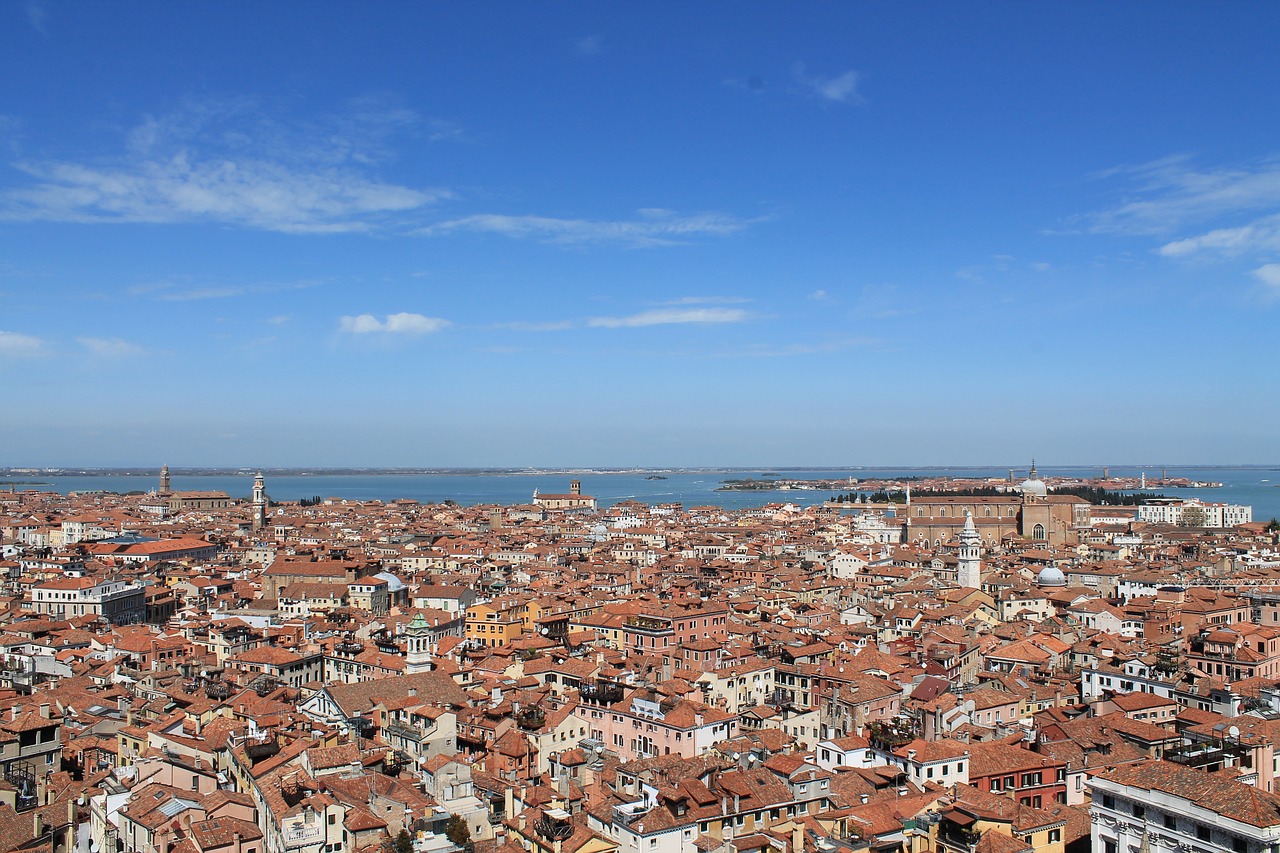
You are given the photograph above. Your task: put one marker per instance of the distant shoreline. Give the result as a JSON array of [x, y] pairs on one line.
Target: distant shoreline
[[55, 472]]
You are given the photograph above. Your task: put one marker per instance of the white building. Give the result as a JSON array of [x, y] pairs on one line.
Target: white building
[[1179, 510], [1161, 807]]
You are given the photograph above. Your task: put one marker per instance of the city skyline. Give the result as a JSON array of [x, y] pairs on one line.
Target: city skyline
[[713, 235]]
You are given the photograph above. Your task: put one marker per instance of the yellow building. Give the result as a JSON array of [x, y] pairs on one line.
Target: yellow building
[[495, 623]]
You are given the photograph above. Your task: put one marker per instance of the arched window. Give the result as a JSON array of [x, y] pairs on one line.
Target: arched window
[[988, 512], [1037, 532], [920, 512], [943, 512]]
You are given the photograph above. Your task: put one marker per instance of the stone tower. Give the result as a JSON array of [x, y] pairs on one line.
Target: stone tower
[[164, 480], [969, 570]]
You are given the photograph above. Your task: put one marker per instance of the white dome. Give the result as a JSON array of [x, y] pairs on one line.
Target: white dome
[[1051, 576], [1034, 486]]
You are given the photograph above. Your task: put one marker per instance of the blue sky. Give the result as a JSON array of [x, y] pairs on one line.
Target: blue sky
[[639, 234]]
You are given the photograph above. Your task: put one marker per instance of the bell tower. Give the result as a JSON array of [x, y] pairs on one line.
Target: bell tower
[[164, 480], [259, 502], [418, 654], [969, 569]]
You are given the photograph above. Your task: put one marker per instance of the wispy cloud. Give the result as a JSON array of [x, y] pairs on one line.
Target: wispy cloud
[[110, 347], [707, 300], [588, 45], [654, 227], [38, 16], [228, 163], [1260, 235], [671, 316], [839, 88], [1168, 194], [818, 295], [403, 323], [16, 343], [182, 292], [525, 326]]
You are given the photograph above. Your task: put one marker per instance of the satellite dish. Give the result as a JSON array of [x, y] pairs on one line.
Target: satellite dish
[[1233, 732]]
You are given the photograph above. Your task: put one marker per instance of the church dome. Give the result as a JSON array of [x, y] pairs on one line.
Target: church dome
[[1051, 576], [1033, 485]]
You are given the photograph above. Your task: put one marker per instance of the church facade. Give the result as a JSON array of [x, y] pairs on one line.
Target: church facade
[[1028, 513]]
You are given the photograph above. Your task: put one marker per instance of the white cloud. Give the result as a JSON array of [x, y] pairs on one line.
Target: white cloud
[[840, 88], [251, 193], [1040, 266], [1269, 274], [16, 343], [655, 227], [1260, 235], [818, 295], [110, 347], [669, 316], [589, 46], [403, 323], [1170, 193], [231, 162]]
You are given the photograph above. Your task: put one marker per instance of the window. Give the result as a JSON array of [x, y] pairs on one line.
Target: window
[[1139, 811], [1202, 832], [1108, 801], [1170, 822], [1055, 835]]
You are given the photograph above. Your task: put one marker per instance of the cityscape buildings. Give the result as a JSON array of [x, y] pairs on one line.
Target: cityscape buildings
[[335, 676]]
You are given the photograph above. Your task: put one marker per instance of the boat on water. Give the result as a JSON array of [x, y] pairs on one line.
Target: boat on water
[[655, 477]]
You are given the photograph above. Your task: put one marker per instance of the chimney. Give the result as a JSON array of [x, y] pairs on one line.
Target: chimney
[[509, 802], [38, 825], [413, 691], [44, 710], [797, 837]]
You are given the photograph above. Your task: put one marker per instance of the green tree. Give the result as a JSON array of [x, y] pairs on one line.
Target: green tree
[[457, 831], [404, 842]]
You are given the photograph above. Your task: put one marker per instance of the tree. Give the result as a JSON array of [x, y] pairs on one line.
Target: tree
[[404, 842], [457, 831]]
